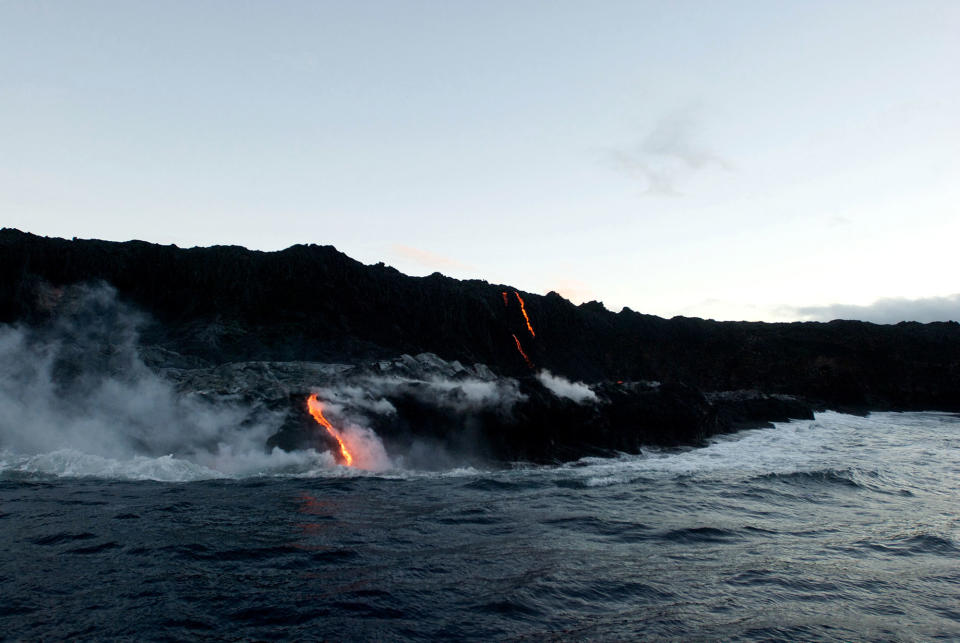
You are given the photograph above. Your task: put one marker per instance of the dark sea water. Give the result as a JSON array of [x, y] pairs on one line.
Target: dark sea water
[[842, 528]]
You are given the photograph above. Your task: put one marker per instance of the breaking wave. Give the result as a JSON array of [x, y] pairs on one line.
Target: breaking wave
[[793, 457], [77, 401]]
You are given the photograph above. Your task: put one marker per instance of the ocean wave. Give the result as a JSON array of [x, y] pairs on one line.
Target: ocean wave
[[698, 535], [833, 450], [842, 477], [309, 464], [71, 463], [914, 545]]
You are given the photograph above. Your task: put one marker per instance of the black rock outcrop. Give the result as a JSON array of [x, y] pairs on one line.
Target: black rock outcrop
[[312, 304]]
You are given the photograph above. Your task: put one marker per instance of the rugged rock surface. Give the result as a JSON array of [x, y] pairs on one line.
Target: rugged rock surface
[[422, 406], [230, 321]]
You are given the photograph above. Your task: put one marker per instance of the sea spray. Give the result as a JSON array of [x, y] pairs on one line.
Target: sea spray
[[76, 398]]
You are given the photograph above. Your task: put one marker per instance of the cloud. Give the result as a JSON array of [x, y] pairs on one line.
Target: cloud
[[356, 398], [668, 155], [561, 387], [889, 310], [428, 259], [76, 399]]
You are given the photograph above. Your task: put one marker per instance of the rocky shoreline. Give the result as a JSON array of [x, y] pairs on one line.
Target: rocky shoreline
[[454, 366], [428, 404]]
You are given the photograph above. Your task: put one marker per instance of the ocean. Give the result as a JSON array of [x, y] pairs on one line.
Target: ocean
[[840, 528]]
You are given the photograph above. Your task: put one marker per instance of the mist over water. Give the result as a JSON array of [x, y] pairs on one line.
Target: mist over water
[[76, 399], [132, 509]]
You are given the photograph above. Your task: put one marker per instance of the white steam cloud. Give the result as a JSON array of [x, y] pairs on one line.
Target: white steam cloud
[[350, 404], [358, 397], [75, 399], [561, 387]]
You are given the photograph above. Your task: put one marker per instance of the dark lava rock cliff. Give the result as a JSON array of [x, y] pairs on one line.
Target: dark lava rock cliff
[[660, 381]]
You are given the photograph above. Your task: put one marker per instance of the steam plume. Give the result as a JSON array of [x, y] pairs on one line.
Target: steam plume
[[576, 391]]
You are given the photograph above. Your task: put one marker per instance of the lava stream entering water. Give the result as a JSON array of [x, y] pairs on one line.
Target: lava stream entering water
[[316, 410], [523, 309]]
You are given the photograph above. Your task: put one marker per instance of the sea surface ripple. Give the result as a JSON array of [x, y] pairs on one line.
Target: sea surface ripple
[[838, 528]]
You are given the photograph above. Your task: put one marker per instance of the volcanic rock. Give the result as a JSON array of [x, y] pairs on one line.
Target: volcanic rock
[[277, 325]]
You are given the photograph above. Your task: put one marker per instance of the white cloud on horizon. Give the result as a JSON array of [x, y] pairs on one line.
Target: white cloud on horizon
[[888, 310]]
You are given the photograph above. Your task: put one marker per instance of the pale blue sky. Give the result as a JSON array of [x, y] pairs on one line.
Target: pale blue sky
[[733, 160]]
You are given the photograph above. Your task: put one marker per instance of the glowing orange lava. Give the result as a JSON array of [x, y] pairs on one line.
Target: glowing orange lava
[[506, 302], [524, 355], [316, 410], [523, 310]]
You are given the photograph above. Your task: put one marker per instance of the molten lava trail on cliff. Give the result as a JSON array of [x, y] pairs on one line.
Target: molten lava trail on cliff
[[316, 410], [523, 309]]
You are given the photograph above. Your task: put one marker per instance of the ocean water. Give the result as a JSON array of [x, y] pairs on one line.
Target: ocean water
[[840, 528]]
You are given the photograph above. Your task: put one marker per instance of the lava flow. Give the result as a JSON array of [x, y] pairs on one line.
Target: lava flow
[[316, 410], [523, 310], [524, 355], [506, 302]]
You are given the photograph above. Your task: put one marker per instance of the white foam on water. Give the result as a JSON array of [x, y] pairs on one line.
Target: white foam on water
[[832, 441], [77, 401], [75, 464], [71, 463]]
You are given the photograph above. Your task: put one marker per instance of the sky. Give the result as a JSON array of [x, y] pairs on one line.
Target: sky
[[763, 160]]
